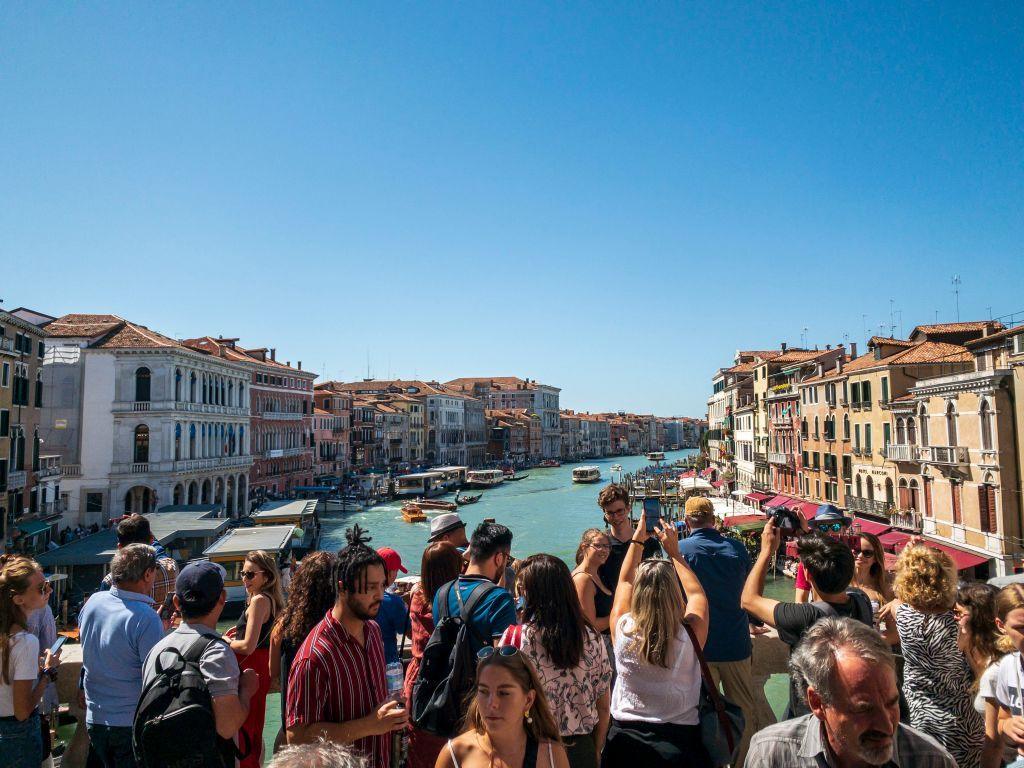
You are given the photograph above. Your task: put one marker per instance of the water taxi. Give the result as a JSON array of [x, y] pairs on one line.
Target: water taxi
[[452, 477], [550, 463], [447, 506], [301, 513], [230, 551], [586, 475], [422, 484], [484, 478], [412, 513], [656, 456]]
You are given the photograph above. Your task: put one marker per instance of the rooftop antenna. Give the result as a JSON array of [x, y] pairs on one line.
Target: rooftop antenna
[[956, 294], [367, 362], [989, 313], [864, 324], [892, 316], [936, 317], [803, 337]]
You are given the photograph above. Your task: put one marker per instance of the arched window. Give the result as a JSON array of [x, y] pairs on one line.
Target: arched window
[[141, 444], [951, 425], [177, 442], [846, 426], [901, 435], [241, 395], [889, 495], [803, 428], [860, 487], [231, 393], [177, 384], [192, 441], [922, 414], [986, 426], [142, 381], [816, 423], [911, 431]]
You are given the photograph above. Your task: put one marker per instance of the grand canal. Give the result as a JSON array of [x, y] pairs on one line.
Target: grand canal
[[546, 512]]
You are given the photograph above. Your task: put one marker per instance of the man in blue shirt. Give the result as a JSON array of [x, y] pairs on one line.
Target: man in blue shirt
[[722, 565], [118, 630], [393, 615], [490, 551]]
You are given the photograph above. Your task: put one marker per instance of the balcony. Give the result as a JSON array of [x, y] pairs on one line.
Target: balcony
[[6, 345], [869, 506], [280, 416], [777, 457], [131, 406], [71, 470], [781, 421], [907, 520], [951, 455], [283, 453], [49, 466], [16, 480], [221, 462], [903, 452]]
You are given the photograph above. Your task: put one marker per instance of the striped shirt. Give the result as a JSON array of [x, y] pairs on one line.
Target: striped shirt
[[334, 679]]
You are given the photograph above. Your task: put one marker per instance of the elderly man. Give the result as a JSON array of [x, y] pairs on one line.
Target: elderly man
[[848, 676], [318, 754], [118, 629]]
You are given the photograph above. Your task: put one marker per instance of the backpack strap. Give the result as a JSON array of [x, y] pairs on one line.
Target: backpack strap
[[476, 595], [443, 602], [712, 690]]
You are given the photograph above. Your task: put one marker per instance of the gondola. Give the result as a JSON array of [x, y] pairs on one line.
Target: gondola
[[463, 500], [511, 478]]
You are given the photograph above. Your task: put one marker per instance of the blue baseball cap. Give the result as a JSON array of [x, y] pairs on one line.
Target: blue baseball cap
[[200, 582]]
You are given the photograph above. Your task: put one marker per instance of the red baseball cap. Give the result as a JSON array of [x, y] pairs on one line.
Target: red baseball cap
[[392, 560]]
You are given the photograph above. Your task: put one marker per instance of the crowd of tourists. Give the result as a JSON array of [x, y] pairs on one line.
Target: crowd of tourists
[[640, 655]]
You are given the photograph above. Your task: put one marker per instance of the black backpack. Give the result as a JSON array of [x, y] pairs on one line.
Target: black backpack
[[174, 723], [448, 667], [861, 607]]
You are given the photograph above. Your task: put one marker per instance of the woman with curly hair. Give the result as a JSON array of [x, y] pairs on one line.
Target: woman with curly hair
[[937, 677], [310, 597]]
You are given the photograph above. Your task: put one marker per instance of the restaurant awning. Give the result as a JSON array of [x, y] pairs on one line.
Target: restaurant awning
[[894, 539], [778, 501], [716, 483], [734, 520], [870, 526], [757, 496], [809, 508], [962, 559], [33, 527]]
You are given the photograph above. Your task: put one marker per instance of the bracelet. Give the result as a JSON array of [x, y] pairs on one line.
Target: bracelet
[[635, 541], [51, 673]]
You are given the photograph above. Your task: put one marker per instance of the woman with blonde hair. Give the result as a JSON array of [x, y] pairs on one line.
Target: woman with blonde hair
[[250, 640], [937, 679], [654, 707], [23, 680], [509, 722], [1009, 690]]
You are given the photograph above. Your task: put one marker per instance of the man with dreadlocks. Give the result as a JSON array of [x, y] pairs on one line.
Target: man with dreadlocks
[[337, 688]]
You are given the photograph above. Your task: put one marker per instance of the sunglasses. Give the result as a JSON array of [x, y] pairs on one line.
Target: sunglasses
[[487, 651], [246, 575], [44, 587], [831, 527]]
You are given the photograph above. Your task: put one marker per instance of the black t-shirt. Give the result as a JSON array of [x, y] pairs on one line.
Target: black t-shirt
[[792, 620], [609, 572]]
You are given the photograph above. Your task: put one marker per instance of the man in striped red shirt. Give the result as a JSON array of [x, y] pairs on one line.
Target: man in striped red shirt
[[337, 687]]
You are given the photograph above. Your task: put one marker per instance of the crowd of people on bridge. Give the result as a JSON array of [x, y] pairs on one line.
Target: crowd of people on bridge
[[639, 655]]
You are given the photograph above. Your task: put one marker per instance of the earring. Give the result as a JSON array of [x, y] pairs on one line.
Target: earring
[[526, 714]]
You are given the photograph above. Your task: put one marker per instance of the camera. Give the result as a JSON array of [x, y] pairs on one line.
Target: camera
[[786, 521]]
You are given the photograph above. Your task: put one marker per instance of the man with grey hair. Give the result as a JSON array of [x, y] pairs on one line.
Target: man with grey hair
[[847, 673], [318, 754], [117, 629]]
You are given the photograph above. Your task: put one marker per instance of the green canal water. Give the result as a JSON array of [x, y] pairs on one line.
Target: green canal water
[[546, 512]]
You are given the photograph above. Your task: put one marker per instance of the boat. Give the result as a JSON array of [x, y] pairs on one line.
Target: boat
[[616, 468], [484, 478], [231, 550], [452, 478], [550, 463], [412, 513], [588, 474], [463, 500], [421, 484], [656, 456], [513, 478], [447, 506]]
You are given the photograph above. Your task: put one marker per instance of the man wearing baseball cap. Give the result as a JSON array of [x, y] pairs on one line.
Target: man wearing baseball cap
[[393, 616], [200, 598], [449, 527]]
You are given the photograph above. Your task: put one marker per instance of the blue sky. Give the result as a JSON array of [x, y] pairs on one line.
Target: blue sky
[[609, 198]]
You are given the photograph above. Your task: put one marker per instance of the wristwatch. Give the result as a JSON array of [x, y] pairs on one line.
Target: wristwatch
[[52, 673]]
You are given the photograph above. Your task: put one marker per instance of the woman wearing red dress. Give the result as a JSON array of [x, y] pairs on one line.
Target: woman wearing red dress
[[441, 564]]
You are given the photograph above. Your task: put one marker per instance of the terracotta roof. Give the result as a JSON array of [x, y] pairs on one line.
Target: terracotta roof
[[383, 386], [321, 412], [923, 352], [742, 367], [1005, 334], [86, 326], [109, 332], [876, 340], [941, 328], [227, 349], [800, 356]]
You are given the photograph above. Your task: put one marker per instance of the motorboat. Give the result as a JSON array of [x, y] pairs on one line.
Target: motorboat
[[412, 513], [587, 474], [484, 478], [656, 456], [447, 506], [550, 463]]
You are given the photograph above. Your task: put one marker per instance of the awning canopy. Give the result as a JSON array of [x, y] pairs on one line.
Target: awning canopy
[[752, 525], [894, 539], [870, 526], [778, 501], [962, 559], [809, 508], [734, 520], [757, 496], [33, 527], [716, 483]]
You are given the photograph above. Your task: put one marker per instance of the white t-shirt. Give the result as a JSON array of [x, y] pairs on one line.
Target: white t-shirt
[[23, 664], [655, 694], [1002, 682]]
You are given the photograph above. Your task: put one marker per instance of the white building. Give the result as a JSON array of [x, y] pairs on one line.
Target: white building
[[141, 421], [744, 439]]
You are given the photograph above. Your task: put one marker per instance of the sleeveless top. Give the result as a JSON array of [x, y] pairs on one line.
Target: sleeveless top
[[529, 759], [653, 694], [263, 638], [602, 600]]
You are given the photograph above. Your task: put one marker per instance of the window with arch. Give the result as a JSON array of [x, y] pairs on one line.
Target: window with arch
[[860, 488], [177, 384], [846, 426], [951, 425], [911, 431], [985, 415], [192, 441], [870, 489], [177, 442], [922, 415], [816, 423], [192, 387], [141, 453], [889, 494], [142, 385], [803, 428], [901, 434]]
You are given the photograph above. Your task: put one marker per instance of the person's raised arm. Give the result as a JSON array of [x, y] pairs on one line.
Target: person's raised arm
[[696, 600], [585, 591], [258, 613], [627, 574], [752, 599]]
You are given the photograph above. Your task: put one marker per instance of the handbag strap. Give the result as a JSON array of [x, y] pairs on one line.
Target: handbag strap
[[711, 688]]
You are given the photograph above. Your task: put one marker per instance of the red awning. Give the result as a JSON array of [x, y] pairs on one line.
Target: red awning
[[962, 559], [870, 526], [741, 519], [809, 508], [716, 483], [894, 539], [756, 496], [778, 501], [688, 475]]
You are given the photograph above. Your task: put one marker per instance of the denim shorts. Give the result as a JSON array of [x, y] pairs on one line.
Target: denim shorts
[[21, 743]]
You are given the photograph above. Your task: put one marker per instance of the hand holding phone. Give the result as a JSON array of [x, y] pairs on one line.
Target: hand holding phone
[[652, 514], [55, 648]]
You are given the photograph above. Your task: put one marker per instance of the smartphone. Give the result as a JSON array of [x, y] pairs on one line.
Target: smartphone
[[652, 513], [61, 639]]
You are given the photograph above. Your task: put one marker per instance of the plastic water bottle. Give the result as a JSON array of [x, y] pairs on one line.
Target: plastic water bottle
[[395, 675]]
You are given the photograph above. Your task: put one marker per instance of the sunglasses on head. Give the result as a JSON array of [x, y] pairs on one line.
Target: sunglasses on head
[[487, 651]]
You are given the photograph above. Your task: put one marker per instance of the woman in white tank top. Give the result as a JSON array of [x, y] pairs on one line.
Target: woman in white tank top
[[657, 692]]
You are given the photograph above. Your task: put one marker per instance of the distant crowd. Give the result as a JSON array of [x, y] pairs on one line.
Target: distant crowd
[[640, 655]]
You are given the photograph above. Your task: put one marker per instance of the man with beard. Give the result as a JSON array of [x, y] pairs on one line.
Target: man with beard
[[337, 688], [848, 676]]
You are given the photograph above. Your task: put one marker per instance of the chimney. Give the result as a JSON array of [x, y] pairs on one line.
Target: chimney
[[853, 349], [828, 347], [783, 346], [300, 365], [273, 353]]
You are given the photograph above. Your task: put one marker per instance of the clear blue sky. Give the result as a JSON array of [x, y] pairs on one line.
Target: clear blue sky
[[609, 198]]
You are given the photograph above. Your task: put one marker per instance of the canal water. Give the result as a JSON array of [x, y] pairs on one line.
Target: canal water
[[546, 512]]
